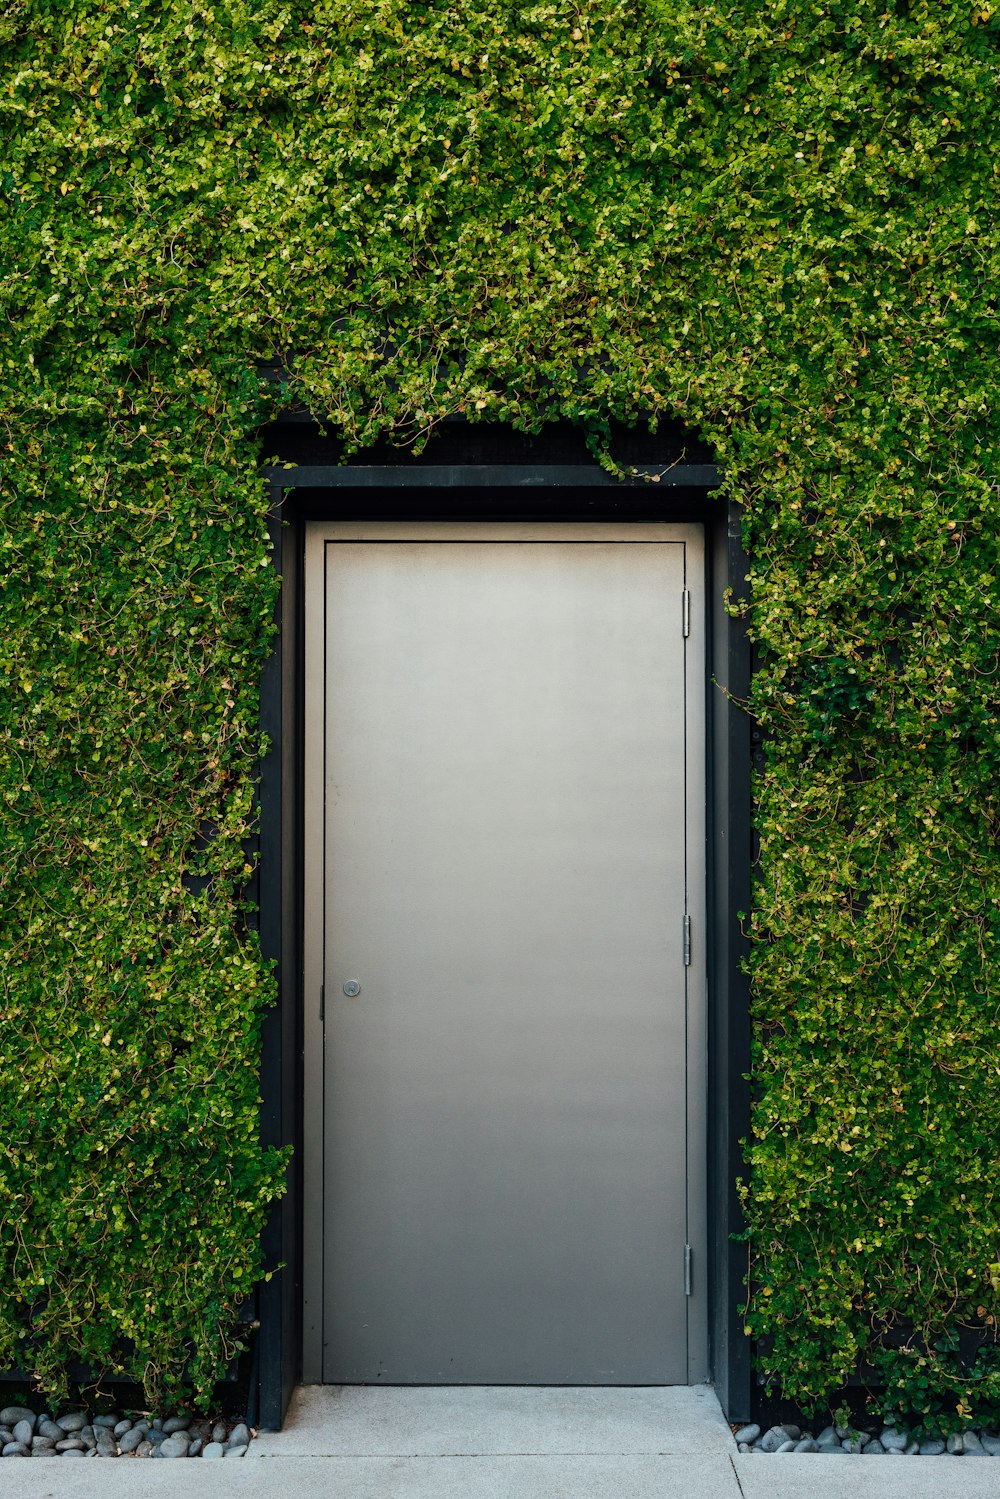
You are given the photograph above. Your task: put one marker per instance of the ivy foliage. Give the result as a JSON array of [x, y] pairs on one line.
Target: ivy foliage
[[775, 219]]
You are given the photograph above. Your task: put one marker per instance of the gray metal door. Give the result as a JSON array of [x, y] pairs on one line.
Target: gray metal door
[[505, 859]]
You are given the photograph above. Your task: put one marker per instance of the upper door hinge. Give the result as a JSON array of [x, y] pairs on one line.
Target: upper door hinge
[[687, 1269], [686, 612], [322, 1001], [687, 941]]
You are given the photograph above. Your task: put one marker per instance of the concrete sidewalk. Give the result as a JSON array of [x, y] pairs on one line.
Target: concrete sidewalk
[[471, 1443]]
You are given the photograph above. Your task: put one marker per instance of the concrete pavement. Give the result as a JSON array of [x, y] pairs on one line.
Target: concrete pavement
[[790, 1477], [469, 1443]]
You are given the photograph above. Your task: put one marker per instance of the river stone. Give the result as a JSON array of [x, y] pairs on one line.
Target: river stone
[[854, 1444], [219, 1431], [23, 1432], [806, 1444], [144, 1449], [106, 1444], [156, 1436], [6, 1436], [47, 1428], [893, 1440], [129, 1440], [68, 1444], [956, 1444], [747, 1433], [235, 1451], [87, 1437], [874, 1448], [991, 1444], [773, 1438], [11, 1414], [788, 1446], [933, 1447], [239, 1436], [38, 1444], [176, 1423], [743, 1447], [15, 1449], [195, 1447], [176, 1445], [214, 1449], [73, 1452], [110, 1421], [73, 1421], [121, 1427]]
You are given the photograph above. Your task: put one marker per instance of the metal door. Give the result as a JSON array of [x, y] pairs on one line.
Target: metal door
[[504, 1015]]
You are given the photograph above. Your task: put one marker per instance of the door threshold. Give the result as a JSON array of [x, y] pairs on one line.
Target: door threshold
[[498, 1420]]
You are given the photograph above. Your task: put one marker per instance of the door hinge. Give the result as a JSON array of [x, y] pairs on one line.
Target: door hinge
[[322, 1001], [686, 612], [687, 1269], [687, 941]]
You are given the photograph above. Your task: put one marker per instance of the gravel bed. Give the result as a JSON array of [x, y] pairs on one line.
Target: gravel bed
[[888, 1442], [73, 1434]]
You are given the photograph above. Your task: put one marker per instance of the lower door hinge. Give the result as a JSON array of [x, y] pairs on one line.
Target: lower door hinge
[[322, 1001], [687, 941], [686, 612], [687, 1269]]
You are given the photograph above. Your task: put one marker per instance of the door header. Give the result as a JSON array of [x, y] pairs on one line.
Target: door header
[[637, 531]]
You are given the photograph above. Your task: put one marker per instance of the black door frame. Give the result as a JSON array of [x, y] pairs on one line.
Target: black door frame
[[507, 491]]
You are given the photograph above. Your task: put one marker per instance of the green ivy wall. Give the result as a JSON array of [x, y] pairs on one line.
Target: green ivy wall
[[773, 219]]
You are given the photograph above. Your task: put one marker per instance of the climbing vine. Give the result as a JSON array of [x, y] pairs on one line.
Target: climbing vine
[[774, 220]]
